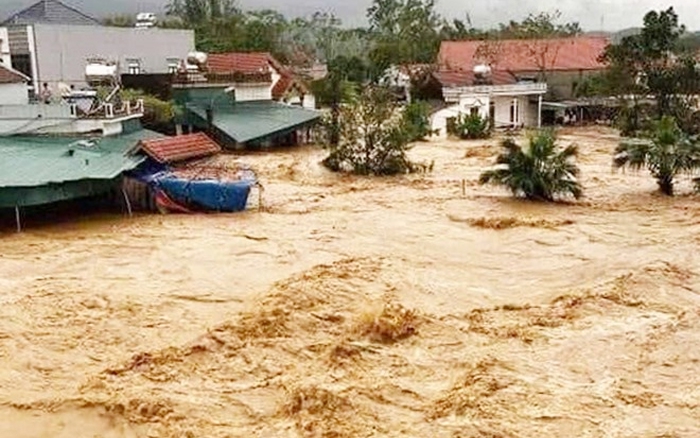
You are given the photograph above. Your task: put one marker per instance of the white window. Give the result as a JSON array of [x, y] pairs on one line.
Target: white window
[[134, 66], [173, 65]]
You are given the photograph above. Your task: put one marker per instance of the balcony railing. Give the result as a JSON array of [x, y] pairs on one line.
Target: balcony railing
[[111, 111], [452, 94]]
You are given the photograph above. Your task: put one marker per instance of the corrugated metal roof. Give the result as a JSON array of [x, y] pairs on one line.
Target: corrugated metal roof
[[37, 161], [562, 54], [248, 121], [180, 148], [50, 11]]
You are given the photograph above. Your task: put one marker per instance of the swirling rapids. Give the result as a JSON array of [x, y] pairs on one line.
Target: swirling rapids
[[346, 307]]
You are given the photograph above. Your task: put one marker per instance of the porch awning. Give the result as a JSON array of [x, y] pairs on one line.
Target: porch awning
[[554, 105]]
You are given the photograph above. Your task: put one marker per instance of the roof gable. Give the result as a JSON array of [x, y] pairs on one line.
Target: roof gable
[[240, 62], [556, 54], [50, 12], [168, 150], [11, 76]]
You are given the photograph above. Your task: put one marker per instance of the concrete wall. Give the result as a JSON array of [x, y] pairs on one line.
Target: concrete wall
[[5, 47], [252, 92], [14, 94], [525, 114], [561, 84], [438, 121], [62, 51]]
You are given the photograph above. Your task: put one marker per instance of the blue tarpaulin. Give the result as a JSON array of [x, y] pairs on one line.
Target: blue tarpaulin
[[200, 194], [209, 195]]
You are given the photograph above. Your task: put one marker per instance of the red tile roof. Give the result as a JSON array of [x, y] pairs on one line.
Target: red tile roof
[[451, 78], [238, 62], [254, 64], [576, 53], [179, 148], [287, 82], [10, 76]]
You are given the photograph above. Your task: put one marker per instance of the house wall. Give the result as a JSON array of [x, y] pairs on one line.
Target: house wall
[[562, 84], [5, 47], [438, 121], [252, 92], [526, 112], [309, 101], [62, 51], [14, 94]]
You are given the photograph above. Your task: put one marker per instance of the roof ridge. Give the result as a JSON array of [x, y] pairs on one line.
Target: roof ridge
[[77, 11], [43, 4]]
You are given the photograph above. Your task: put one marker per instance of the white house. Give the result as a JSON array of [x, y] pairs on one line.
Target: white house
[[259, 76], [498, 96]]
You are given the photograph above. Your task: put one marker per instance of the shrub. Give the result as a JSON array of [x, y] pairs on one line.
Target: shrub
[[472, 126], [371, 137], [416, 121], [156, 111], [540, 171]]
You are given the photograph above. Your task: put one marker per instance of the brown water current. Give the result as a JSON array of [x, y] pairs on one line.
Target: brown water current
[[363, 307]]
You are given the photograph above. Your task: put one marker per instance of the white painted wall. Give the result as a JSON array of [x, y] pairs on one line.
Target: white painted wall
[[252, 92], [5, 47], [309, 101], [14, 94], [528, 112], [502, 110], [62, 51], [275, 77], [479, 101], [438, 121]]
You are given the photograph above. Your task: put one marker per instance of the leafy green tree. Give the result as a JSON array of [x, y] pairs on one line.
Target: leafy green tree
[[653, 65], [403, 31], [540, 171], [668, 153], [540, 25], [158, 114], [416, 121], [372, 140]]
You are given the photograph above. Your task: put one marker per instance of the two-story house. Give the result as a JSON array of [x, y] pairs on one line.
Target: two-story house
[[52, 43]]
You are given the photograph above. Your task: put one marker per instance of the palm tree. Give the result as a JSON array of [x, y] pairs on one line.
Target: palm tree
[[667, 154], [540, 171]]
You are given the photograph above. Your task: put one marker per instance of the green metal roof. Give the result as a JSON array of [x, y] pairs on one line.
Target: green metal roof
[[248, 121], [38, 161]]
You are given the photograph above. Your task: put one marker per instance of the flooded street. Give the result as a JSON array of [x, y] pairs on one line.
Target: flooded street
[[507, 318]]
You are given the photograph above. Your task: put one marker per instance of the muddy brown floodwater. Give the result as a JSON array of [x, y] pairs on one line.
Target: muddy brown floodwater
[[357, 307]]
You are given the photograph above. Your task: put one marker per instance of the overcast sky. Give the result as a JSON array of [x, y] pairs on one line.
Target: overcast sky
[[592, 14]]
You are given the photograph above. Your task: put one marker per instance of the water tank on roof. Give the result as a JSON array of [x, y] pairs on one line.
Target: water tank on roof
[[95, 71], [197, 58], [482, 70], [146, 20]]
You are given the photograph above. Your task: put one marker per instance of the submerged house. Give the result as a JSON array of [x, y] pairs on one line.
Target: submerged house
[[514, 81], [59, 151], [276, 81], [183, 174], [244, 100], [51, 42]]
